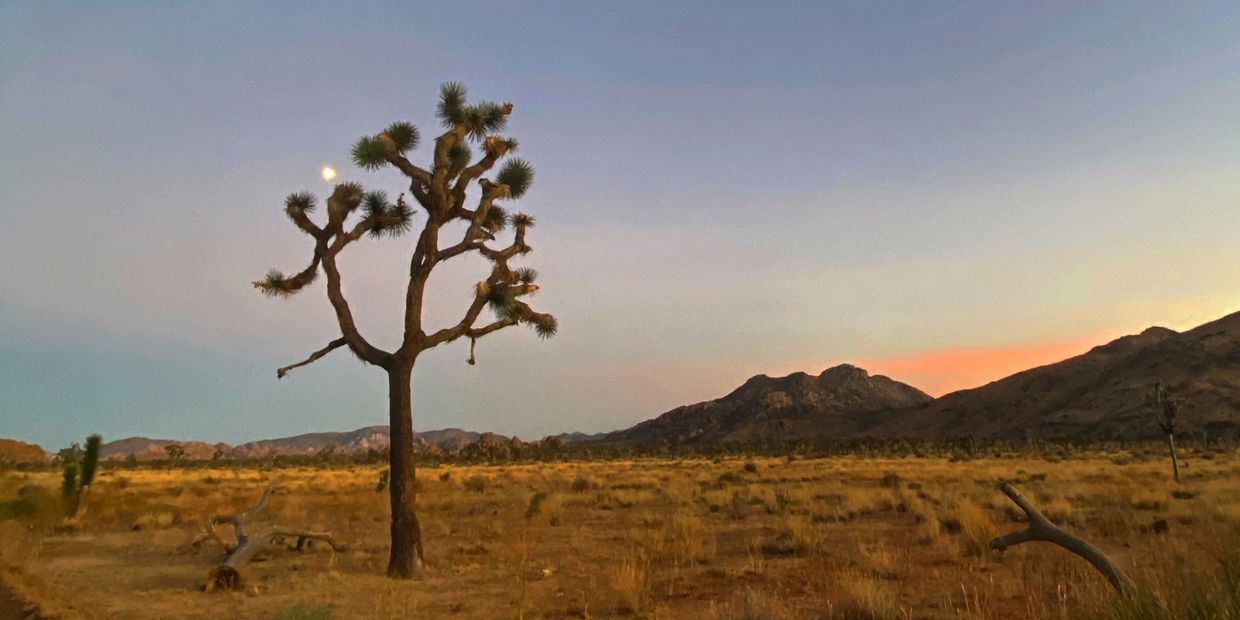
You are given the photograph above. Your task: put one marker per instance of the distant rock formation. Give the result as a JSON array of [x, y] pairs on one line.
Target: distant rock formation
[[836, 403], [14, 451]]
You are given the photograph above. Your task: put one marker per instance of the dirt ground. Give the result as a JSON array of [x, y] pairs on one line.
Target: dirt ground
[[845, 537]]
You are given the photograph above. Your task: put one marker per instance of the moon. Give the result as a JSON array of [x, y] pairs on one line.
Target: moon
[[328, 173]]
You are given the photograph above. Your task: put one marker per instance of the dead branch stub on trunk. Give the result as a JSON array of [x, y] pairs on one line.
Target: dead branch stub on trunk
[[1041, 528], [226, 576]]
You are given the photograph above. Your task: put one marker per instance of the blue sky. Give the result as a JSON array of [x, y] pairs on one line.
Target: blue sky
[[723, 189]]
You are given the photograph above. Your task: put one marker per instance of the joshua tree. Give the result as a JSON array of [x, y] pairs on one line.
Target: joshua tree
[[1166, 408], [79, 474], [440, 191], [175, 452]]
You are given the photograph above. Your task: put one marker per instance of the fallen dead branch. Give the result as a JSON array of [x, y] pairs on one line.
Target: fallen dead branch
[[1041, 528], [226, 576]]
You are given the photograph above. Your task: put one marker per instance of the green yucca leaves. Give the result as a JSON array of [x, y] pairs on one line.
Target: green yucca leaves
[[479, 120], [404, 136], [451, 103], [518, 175], [300, 201], [545, 325], [458, 157], [374, 202], [527, 275], [369, 152]]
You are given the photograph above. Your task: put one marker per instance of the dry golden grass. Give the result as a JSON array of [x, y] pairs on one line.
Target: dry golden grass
[[844, 537]]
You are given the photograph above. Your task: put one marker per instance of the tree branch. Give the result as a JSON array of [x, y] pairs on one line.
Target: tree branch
[[1041, 528], [337, 343], [344, 316], [420, 179]]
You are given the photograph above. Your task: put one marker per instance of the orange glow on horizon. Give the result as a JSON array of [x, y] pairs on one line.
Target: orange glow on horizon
[[947, 370]]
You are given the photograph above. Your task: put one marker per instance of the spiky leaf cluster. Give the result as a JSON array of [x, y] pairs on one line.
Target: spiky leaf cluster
[[404, 136], [523, 219], [518, 175], [458, 157], [501, 300], [544, 325], [527, 275], [479, 120], [303, 202], [370, 152], [388, 220], [274, 284]]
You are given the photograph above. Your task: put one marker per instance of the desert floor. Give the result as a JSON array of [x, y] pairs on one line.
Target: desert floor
[[847, 537]]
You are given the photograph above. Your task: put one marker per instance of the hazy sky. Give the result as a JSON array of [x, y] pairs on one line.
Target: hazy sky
[[943, 192]]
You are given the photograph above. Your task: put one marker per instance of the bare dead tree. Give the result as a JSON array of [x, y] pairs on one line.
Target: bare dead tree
[[440, 191], [1166, 408], [249, 543], [1041, 528]]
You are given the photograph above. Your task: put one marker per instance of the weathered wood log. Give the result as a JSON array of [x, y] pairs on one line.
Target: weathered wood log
[[226, 575], [1041, 528]]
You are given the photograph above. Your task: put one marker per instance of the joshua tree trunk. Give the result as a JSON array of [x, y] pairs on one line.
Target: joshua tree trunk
[[1175, 460], [1169, 408], [406, 554]]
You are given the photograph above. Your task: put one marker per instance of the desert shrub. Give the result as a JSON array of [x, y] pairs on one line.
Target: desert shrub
[[890, 480], [751, 467], [630, 580], [33, 503], [384, 477], [606, 500], [536, 505], [445, 476], [783, 499], [797, 536], [476, 483], [976, 527], [583, 483], [870, 597], [1193, 597], [553, 509], [689, 539]]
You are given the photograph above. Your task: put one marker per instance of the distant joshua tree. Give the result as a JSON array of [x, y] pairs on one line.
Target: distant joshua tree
[[440, 191], [175, 452], [1166, 408]]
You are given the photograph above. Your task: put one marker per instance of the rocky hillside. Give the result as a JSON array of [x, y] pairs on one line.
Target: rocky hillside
[[836, 403], [1101, 394], [146, 449], [14, 451], [353, 442]]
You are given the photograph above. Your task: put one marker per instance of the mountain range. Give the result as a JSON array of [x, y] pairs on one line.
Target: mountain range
[[1101, 394]]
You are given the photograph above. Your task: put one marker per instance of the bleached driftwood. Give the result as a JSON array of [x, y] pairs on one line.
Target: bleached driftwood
[[1041, 528], [226, 575]]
